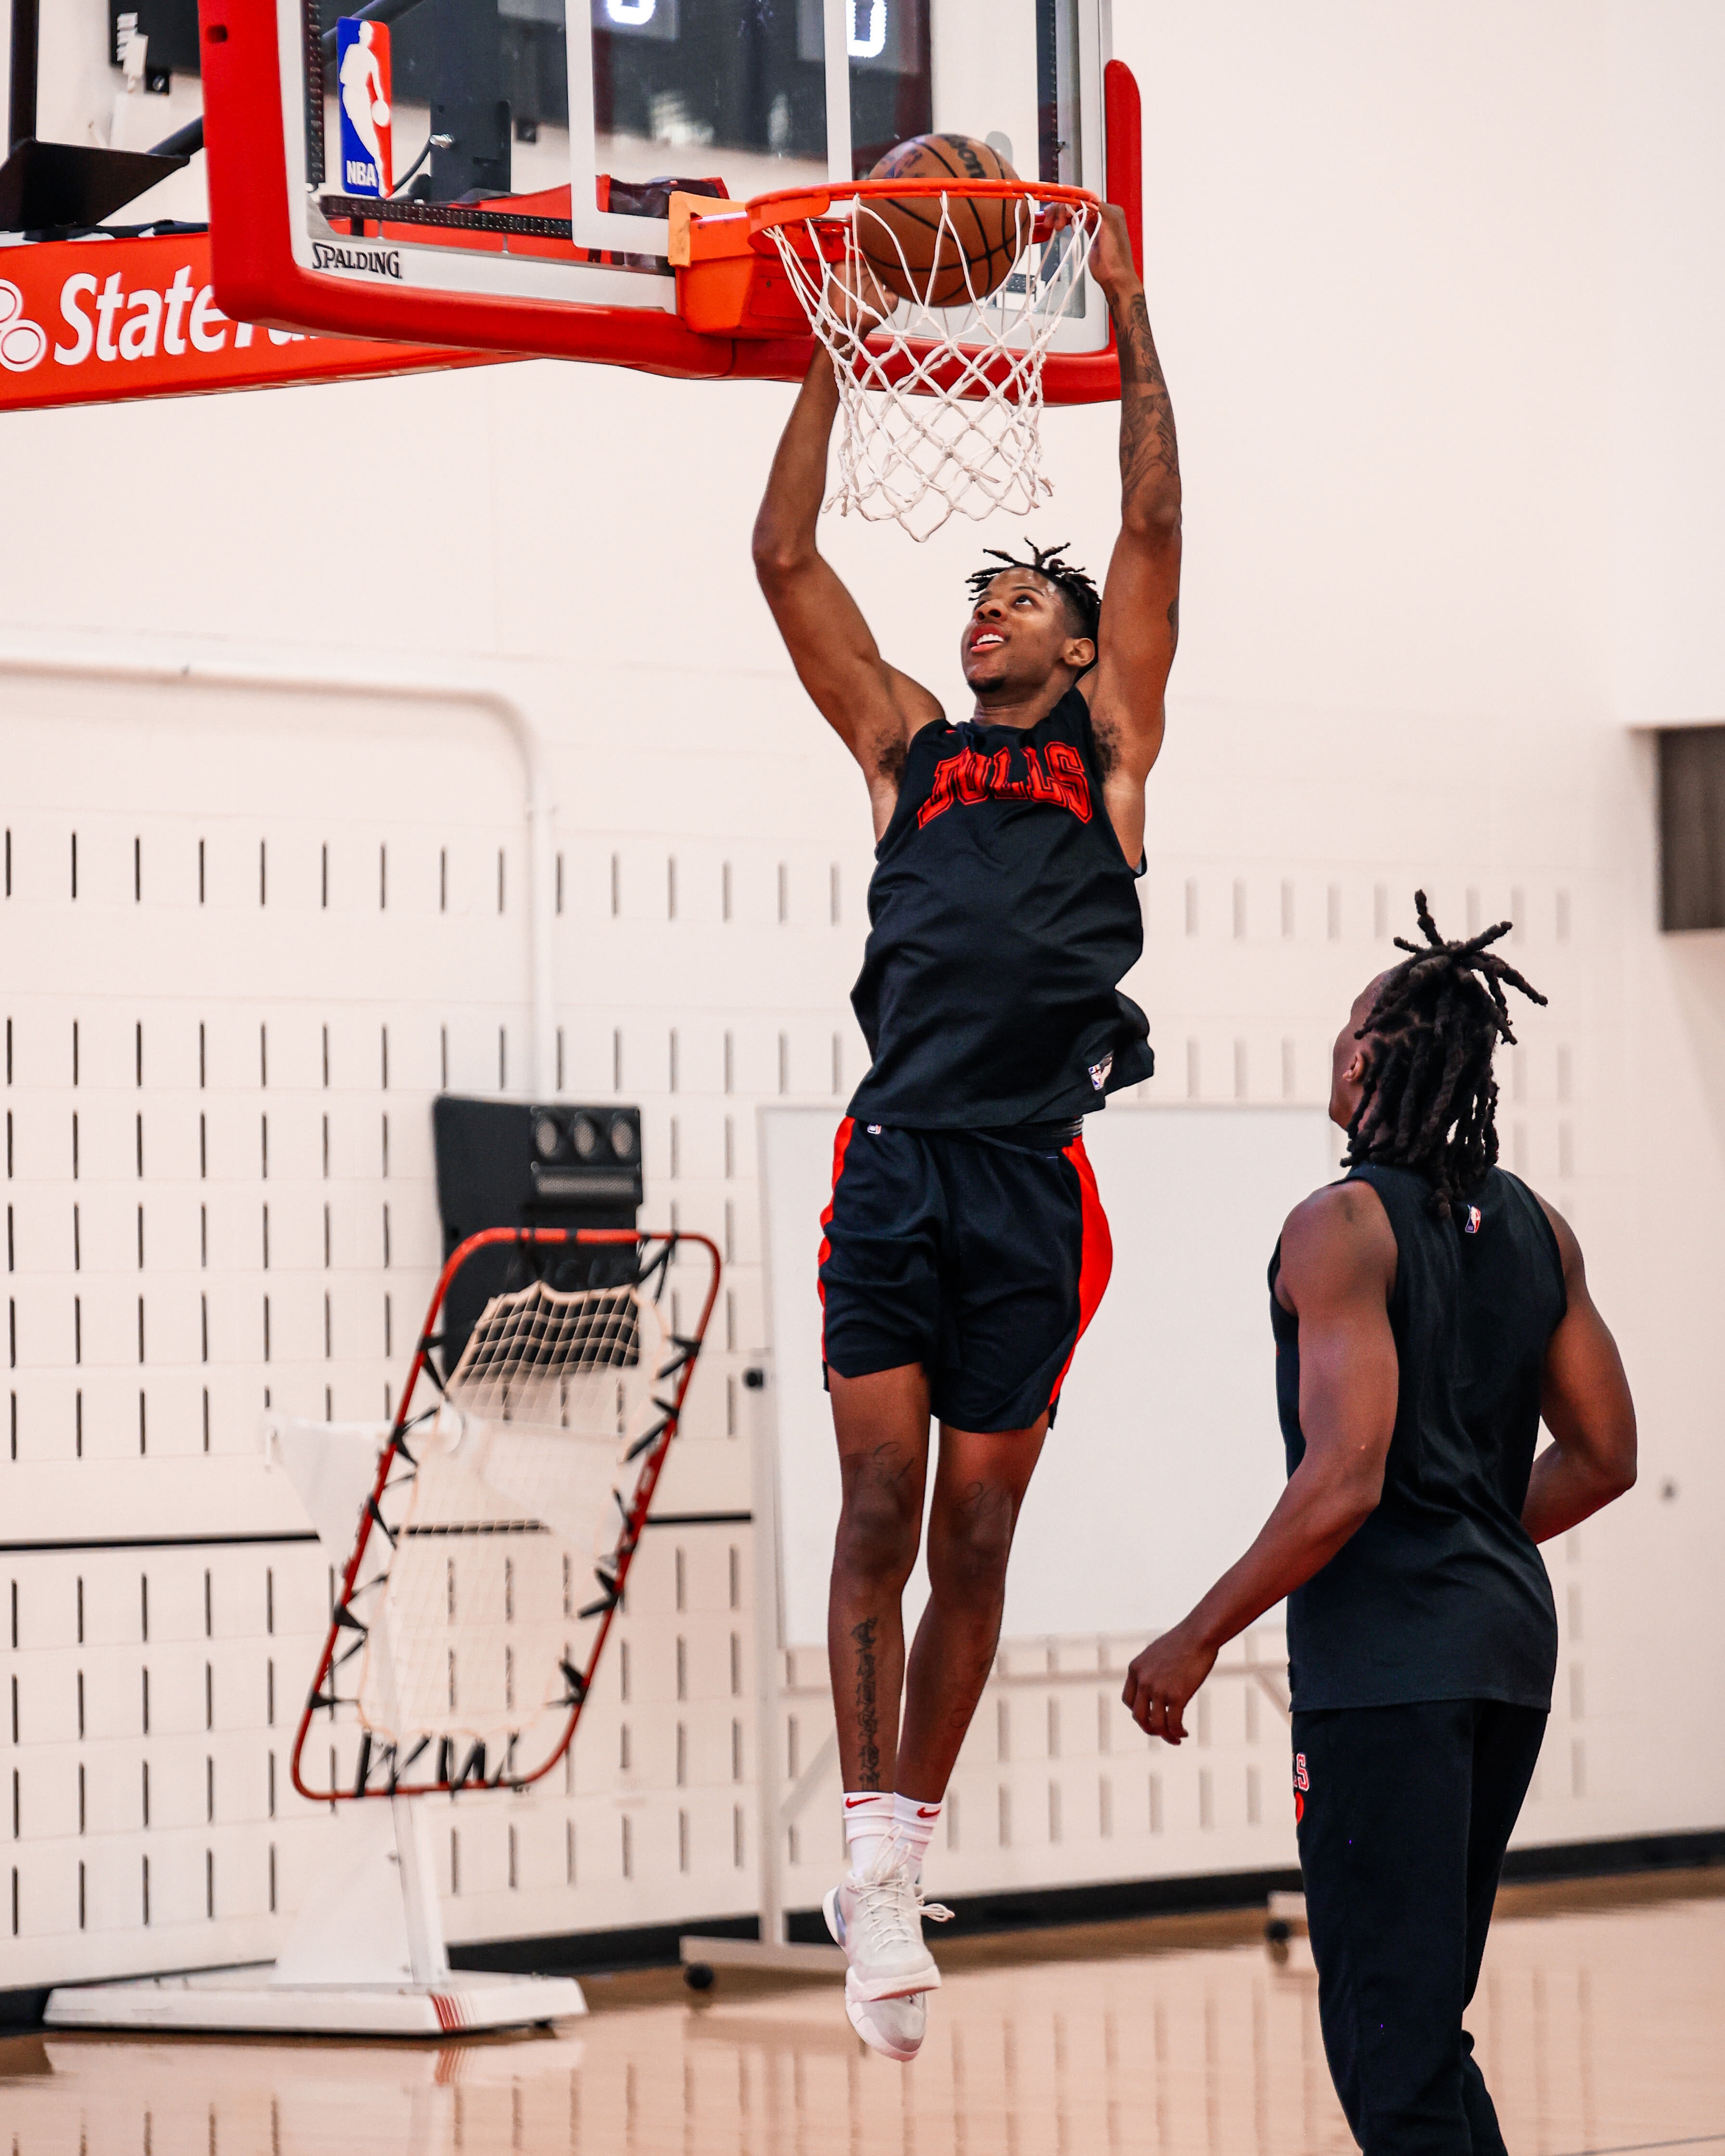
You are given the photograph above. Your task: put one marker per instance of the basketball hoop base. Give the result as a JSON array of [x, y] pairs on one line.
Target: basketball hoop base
[[244, 2001], [786, 1957], [365, 1956]]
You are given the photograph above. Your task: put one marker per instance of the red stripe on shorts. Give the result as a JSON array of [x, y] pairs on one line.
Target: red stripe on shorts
[[1097, 1261], [842, 1139]]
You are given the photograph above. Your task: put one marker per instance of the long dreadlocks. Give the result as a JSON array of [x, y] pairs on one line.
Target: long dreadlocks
[[1075, 585], [1429, 1101]]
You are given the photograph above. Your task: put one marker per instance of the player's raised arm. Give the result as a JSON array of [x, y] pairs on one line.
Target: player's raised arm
[[1586, 1404], [1140, 599], [871, 706], [1338, 1264]]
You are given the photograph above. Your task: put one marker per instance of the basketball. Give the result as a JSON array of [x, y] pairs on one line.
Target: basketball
[[902, 240]]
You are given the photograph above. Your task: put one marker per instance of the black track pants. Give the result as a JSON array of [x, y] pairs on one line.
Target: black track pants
[[1405, 1813]]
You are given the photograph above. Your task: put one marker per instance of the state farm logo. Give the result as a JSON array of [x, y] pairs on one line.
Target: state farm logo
[[113, 323], [24, 344]]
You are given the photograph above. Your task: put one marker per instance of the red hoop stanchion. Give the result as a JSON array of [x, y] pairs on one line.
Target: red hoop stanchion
[[498, 1530]]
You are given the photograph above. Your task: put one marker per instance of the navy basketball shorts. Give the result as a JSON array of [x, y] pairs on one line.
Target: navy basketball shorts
[[981, 1255]]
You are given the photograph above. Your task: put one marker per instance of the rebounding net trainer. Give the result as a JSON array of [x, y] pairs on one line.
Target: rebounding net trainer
[[498, 1534]]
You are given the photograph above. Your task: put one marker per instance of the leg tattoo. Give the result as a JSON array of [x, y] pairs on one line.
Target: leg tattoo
[[868, 1707]]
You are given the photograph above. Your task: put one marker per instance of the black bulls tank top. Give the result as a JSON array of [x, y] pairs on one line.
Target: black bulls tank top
[[1002, 917], [1442, 1594]]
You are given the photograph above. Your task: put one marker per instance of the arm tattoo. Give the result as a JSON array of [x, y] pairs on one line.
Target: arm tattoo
[[1150, 454], [1138, 361], [868, 1707]]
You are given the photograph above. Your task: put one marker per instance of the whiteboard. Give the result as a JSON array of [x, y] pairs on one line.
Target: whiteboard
[[1165, 1457]]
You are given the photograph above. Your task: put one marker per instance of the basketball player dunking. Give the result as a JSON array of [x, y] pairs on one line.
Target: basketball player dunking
[[1428, 1309], [965, 1248]]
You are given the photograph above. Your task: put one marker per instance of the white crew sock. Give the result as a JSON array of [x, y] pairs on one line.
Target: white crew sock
[[913, 1823], [868, 1820]]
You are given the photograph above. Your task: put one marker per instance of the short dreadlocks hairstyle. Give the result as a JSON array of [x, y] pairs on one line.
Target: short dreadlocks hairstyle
[[1076, 585], [1429, 1101]]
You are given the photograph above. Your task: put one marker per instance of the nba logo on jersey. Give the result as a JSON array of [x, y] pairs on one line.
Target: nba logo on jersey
[[1099, 1072], [1470, 1226], [363, 82]]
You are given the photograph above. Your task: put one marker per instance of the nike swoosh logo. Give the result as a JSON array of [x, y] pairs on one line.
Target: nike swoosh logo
[[851, 1803], [923, 1812]]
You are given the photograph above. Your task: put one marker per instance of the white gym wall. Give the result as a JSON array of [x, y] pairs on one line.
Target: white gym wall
[[1162, 1474], [1433, 289]]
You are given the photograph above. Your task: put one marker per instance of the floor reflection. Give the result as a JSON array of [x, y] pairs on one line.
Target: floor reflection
[[1598, 2030]]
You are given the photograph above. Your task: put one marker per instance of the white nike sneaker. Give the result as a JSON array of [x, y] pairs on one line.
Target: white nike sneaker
[[876, 1917], [895, 2027]]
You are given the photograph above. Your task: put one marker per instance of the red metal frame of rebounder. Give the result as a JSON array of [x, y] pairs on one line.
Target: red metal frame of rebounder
[[341, 1621]]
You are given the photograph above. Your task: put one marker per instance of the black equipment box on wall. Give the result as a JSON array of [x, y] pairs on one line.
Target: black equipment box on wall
[[1692, 828], [508, 1164]]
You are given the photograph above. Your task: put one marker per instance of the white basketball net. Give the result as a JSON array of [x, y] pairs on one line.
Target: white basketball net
[[942, 409], [505, 1528]]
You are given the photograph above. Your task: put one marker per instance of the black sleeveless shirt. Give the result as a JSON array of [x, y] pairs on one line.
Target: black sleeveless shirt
[[1002, 915], [1442, 1594]]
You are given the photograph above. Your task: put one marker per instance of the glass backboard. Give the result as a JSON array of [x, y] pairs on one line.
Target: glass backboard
[[503, 161]]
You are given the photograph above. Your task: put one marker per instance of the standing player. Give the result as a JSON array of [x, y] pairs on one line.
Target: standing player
[[965, 1248], [1428, 1310]]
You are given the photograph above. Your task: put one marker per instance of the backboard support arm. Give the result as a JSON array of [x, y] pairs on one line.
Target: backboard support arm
[[26, 55]]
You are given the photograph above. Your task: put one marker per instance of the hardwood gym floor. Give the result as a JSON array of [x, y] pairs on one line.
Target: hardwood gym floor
[[1600, 2021]]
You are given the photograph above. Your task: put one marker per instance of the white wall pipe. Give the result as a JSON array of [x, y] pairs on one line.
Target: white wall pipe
[[42, 659]]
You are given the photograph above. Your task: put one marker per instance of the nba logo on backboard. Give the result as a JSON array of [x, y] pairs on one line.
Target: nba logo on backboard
[[363, 80]]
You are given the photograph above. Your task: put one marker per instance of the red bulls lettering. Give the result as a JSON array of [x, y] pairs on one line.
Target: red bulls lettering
[[969, 778], [971, 774], [1070, 778]]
